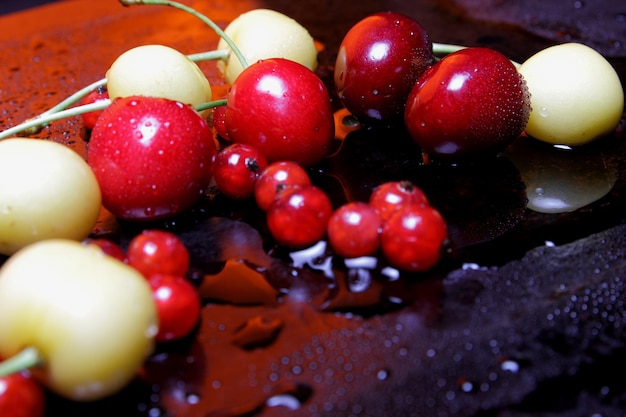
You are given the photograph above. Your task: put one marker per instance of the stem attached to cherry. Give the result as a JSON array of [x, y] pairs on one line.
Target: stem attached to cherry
[[25, 359], [206, 20]]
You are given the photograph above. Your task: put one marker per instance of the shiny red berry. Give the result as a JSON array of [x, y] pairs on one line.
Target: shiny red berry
[[354, 230], [99, 94], [389, 196], [109, 247], [178, 306], [278, 175], [237, 168], [299, 216], [158, 252], [412, 238]]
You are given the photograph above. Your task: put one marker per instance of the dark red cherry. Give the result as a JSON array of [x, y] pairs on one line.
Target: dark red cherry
[[471, 102], [379, 61], [283, 109]]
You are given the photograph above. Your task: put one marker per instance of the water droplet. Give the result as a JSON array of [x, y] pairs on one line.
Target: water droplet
[[382, 374], [543, 111]]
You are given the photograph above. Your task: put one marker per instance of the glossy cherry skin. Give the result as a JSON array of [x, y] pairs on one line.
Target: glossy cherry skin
[[236, 170], [299, 216], [283, 109], [178, 306], [276, 176], [379, 60], [412, 238], [158, 252], [152, 157], [21, 396], [354, 230], [472, 102], [391, 195]]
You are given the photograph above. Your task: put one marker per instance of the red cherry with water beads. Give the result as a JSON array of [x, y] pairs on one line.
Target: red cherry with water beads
[[151, 156]]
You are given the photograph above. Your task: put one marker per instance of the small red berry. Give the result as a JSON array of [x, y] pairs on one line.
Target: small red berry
[[21, 396], [178, 306], [237, 168], [278, 175], [389, 196], [413, 237], [158, 252], [299, 216], [110, 248], [354, 230], [99, 94]]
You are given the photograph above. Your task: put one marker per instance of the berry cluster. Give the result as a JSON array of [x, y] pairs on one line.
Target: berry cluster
[[162, 258]]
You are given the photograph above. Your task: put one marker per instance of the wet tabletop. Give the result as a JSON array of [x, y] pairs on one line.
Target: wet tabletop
[[523, 317]]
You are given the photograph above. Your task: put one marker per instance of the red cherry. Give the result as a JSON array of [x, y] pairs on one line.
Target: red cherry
[[178, 306], [299, 216], [283, 109], [379, 61], [20, 396], [276, 176], [236, 170], [109, 248], [470, 102], [151, 156], [99, 94], [389, 196], [354, 230], [413, 237], [158, 252]]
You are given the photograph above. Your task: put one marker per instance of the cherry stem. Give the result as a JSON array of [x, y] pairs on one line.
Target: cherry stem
[[25, 359], [205, 19], [442, 49]]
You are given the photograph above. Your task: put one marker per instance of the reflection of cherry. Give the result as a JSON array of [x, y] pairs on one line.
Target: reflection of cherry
[[562, 180]]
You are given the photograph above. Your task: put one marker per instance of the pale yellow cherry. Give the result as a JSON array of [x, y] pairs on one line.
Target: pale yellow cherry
[[89, 318], [576, 95], [263, 33], [47, 190], [158, 71]]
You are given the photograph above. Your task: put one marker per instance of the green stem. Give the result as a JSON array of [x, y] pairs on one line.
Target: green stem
[[74, 98], [206, 20], [217, 55], [25, 359], [44, 119], [442, 49], [210, 105]]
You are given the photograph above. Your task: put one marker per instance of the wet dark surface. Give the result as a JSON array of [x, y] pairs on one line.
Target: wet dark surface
[[524, 315]]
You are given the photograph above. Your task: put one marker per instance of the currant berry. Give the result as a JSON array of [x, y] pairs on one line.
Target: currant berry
[[389, 196], [178, 306], [99, 94], [354, 230], [413, 237], [110, 248], [158, 252], [276, 176], [299, 216], [237, 168]]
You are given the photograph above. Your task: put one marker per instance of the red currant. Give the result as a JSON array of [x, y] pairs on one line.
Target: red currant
[[20, 396], [158, 252], [299, 216], [109, 248], [99, 94], [278, 175], [237, 168], [217, 121], [389, 196], [412, 238], [178, 306], [354, 230]]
